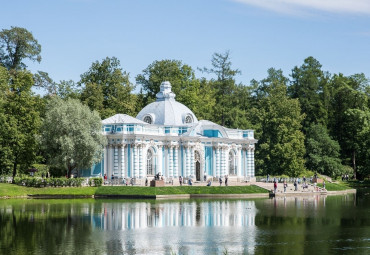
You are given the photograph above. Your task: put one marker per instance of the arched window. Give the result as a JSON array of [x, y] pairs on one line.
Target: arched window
[[148, 119], [149, 163], [232, 163], [188, 119]]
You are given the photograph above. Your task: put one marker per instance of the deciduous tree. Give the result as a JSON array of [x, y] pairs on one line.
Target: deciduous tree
[[71, 135], [16, 45]]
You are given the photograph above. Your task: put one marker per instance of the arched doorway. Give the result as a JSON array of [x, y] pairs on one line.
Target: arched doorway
[[149, 163], [232, 163], [197, 165]]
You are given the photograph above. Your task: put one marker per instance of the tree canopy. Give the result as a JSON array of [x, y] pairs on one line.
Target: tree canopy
[[71, 135], [16, 45]]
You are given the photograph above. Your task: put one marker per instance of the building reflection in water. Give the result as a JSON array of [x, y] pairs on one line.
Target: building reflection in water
[[140, 215]]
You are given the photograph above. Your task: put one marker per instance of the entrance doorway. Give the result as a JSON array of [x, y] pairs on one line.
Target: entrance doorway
[[197, 165], [197, 170]]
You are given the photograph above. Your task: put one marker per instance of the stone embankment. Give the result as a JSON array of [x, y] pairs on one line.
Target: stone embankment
[[310, 190]]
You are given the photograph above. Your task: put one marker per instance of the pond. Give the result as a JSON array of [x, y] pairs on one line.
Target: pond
[[312, 225]]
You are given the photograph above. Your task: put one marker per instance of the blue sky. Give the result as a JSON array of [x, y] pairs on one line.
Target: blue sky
[[259, 33]]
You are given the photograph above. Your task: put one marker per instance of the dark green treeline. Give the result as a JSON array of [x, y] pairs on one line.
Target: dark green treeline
[[309, 119]]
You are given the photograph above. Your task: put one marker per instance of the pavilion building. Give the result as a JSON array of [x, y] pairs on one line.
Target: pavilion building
[[167, 138]]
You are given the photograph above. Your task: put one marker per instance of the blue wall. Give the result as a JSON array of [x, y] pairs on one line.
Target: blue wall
[[209, 159]]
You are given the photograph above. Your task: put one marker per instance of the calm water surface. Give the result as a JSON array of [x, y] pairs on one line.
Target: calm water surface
[[315, 225]]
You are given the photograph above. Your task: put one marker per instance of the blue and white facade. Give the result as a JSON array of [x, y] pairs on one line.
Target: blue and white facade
[[167, 138]]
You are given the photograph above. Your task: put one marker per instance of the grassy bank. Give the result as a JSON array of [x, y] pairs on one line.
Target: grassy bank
[[11, 190], [335, 186]]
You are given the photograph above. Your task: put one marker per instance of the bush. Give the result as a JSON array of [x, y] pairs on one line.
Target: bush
[[97, 181]]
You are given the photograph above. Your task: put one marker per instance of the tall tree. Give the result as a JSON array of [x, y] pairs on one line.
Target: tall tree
[[281, 143], [323, 153], [178, 74], [71, 135], [20, 122], [347, 93], [224, 86], [106, 88], [196, 94], [309, 85], [16, 45]]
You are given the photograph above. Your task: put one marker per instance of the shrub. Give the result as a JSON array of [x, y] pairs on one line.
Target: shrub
[[97, 181]]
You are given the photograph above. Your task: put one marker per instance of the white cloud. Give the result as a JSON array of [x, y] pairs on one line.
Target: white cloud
[[299, 6]]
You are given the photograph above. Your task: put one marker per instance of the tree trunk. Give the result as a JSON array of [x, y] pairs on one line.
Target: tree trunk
[[14, 169], [354, 163]]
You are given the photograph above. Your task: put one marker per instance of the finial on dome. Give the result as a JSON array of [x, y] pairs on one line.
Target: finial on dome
[[165, 92]]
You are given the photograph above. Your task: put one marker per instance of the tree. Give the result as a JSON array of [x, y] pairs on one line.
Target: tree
[[323, 153], [224, 87], [178, 74], [17, 44], [310, 86], [348, 101], [357, 124], [196, 94], [71, 135], [107, 89], [19, 121], [281, 143]]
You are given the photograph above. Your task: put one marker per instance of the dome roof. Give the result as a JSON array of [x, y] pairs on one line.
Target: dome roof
[[166, 110]]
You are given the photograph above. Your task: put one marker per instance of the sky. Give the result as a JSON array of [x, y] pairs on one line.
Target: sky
[[258, 33]]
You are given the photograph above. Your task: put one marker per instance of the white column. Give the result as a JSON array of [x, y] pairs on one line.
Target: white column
[[252, 167], [170, 161], [105, 161], [122, 161], [176, 162], [135, 164], [115, 166], [141, 169], [187, 156], [223, 161], [218, 173], [110, 161], [192, 162], [159, 160], [248, 168]]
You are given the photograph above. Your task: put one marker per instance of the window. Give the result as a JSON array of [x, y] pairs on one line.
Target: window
[[188, 119], [231, 163], [148, 119], [149, 163]]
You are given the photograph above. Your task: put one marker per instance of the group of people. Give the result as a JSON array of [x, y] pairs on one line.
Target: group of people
[[124, 181]]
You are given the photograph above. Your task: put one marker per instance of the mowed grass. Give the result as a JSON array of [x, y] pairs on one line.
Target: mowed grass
[[175, 190], [11, 190], [335, 186]]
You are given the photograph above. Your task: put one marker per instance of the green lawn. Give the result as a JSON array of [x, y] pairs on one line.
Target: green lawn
[[128, 190], [11, 190], [335, 186]]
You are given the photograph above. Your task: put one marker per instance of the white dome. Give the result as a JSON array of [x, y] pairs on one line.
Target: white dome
[[166, 110]]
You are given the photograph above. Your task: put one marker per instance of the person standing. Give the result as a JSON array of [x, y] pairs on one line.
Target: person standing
[[285, 186], [275, 186], [226, 179], [220, 180], [180, 180], [295, 185]]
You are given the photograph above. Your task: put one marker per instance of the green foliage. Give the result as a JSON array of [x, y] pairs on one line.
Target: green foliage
[[323, 152], [226, 91], [19, 121], [310, 87], [38, 182], [96, 181], [17, 44], [71, 135], [281, 145], [107, 89]]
